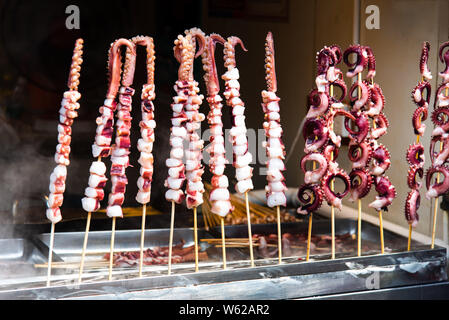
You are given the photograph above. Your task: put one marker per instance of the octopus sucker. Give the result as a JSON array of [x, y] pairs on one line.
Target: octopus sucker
[[362, 124], [415, 155], [344, 90], [361, 60], [360, 154], [376, 103], [382, 125], [419, 116], [316, 134], [315, 175], [440, 157], [413, 173], [334, 198], [365, 95], [381, 160], [115, 65], [360, 184], [440, 117], [438, 188], [311, 197], [371, 63], [318, 103], [444, 59], [412, 204], [421, 94], [387, 193], [423, 67]]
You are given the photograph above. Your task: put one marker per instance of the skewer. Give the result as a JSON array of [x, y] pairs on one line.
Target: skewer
[[172, 225], [309, 236], [111, 254], [332, 188], [195, 235], [50, 253], [278, 209], [309, 232], [142, 239], [73, 83], [250, 235], [382, 246], [86, 237], [435, 207], [223, 243], [359, 201], [359, 229]]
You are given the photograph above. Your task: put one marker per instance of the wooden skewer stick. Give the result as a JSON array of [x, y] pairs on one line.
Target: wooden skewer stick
[[195, 235], [83, 253], [50, 253], [382, 246], [359, 228], [309, 232], [172, 226], [142, 239], [223, 243], [250, 235], [278, 210], [359, 201], [309, 236], [86, 236], [332, 188], [111, 252]]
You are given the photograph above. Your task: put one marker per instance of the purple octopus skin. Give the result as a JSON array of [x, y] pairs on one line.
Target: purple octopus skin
[[419, 116], [334, 198], [362, 124], [376, 103], [440, 118], [444, 59], [371, 63], [439, 158], [413, 173], [365, 95], [360, 154], [423, 67], [314, 176], [361, 61], [335, 139], [415, 155], [318, 102], [382, 125], [421, 94], [311, 197], [381, 160], [386, 191], [412, 204], [361, 182], [438, 188], [344, 90], [316, 134]]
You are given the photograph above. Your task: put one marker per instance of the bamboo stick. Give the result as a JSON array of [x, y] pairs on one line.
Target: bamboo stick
[[111, 254], [278, 209], [195, 235], [142, 239], [83, 253], [50, 253], [172, 226], [223, 243], [250, 235]]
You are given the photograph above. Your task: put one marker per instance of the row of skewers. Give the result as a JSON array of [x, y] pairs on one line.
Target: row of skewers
[[370, 159], [186, 121]]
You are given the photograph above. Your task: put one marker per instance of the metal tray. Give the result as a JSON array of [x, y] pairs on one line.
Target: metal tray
[[268, 280]]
